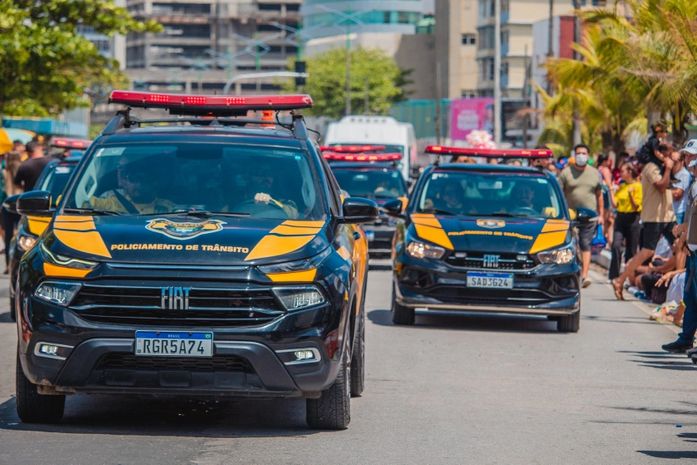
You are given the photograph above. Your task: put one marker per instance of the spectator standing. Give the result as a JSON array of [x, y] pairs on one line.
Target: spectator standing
[[30, 170], [686, 338], [605, 169], [582, 189], [9, 219], [627, 226], [680, 185], [657, 214]]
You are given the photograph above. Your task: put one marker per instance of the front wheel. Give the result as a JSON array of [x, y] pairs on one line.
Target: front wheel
[[569, 324], [333, 409], [33, 407]]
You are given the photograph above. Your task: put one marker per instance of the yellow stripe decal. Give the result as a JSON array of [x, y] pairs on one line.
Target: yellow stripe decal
[[55, 271], [38, 225], [555, 226], [273, 246], [73, 218], [426, 219], [84, 241], [75, 226], [284, 230], [306, 276], [435, 235], [548, 240], [309, 224]]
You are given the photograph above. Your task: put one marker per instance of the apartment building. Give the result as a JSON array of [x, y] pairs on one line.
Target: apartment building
[[206, 44]]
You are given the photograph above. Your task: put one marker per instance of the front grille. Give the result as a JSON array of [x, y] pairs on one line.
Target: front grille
[[476, 260], [141, 305], [218, 363], [457, 294]]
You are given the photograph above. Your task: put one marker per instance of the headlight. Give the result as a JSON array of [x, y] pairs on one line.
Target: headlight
[[559, 256], [422, 250], [26, 241], [297, 298], [69, 262], [57, 292]]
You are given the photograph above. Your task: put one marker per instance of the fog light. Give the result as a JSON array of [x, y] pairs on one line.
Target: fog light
[[299, 356], [52, 350]]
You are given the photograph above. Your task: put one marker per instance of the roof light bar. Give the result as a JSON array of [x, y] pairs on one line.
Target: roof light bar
[[334, 156], [353, 148], [489, 153], [70, 143], [214, 105]]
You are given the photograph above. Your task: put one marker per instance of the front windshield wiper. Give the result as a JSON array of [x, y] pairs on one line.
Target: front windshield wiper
[[196, 213], [90, 211], [438, 211], [506, 215]]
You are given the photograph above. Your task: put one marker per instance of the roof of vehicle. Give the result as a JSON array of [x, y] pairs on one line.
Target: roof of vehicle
[[523, 170], [364, 165], [184, 133]]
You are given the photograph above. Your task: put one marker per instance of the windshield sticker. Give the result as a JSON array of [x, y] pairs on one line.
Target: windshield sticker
[[186, 230], [491, 233]]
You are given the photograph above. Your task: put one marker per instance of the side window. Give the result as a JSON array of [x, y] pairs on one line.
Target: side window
[[334, 197]]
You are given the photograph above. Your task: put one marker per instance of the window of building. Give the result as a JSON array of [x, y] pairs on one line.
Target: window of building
[[468, 93], [469, 39]]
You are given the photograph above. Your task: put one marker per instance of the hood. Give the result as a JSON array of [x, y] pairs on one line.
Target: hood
[[187, 240], [487, 234]]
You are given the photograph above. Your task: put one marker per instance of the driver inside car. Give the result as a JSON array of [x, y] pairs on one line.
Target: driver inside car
[[263, 190], [136, 192]]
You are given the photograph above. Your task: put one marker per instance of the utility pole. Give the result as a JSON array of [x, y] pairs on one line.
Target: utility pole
[[577, 56], [497, 72], [550, 41], [347, 91], [439, 110], [526, 97]]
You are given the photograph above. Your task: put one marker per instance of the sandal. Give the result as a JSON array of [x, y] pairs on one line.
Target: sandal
[[617, 288]]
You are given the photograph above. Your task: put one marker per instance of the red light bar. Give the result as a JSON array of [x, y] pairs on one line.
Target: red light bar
[[352, 148], [219, 105], [70, 143], [334, 156], [489, 153]]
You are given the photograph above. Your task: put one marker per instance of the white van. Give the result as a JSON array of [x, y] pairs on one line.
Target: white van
[[376, 130]]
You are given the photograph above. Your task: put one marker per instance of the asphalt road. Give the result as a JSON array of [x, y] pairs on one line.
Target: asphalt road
[[453, 389]]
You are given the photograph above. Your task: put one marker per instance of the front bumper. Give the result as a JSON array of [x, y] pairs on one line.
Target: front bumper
[[434, 285]]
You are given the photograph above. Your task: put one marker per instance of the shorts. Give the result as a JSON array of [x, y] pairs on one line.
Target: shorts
[[586, 233], [651, 233]]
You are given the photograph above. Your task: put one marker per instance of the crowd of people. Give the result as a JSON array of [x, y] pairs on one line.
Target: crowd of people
[[642, 205], [21, 168]]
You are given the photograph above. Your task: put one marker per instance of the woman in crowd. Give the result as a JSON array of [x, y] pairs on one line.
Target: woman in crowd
[[627, 227], [605, 169], [10, 220]]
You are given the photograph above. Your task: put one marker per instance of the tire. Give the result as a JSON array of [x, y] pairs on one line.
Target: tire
[[569, 324], [332, 411], [33, 407], [13, 309], [358, 360], [401, 315]]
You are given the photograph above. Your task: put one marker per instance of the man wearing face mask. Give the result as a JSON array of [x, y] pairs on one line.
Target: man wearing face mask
[[583, 189]]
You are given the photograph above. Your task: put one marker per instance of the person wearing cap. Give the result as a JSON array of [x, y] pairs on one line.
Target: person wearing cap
[[686, 338]]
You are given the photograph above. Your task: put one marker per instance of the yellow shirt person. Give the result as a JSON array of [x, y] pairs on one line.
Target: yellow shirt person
[[628, 197]]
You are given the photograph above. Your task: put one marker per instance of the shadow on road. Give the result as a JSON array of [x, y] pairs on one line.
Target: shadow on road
[[113, 415], [661, 360], [670, 454], [5, 318], [471, 321]]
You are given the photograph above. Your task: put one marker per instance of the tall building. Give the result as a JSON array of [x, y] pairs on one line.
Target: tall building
[[206, 44], [456, 48], [403, 29]]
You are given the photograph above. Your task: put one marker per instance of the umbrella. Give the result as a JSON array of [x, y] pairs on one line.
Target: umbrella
[[9, 135]]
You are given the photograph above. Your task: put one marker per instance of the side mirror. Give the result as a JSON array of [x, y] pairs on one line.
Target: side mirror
[[357, 210], [394, 207], [585, 215], [10, 203], [35, 203]]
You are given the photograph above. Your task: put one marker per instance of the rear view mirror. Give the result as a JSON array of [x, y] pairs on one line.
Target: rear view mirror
[[394, 207], [10, 203]]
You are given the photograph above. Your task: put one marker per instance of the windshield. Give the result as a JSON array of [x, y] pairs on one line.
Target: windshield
[[149, 178], [489, 194], [382, 183], [55, 180]]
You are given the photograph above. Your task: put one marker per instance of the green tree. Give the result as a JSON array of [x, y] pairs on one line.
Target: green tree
[[46, 66], [376, 80]]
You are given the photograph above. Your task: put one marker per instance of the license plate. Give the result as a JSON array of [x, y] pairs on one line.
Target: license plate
[[174, 344], [490, 280], [370, 235]]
